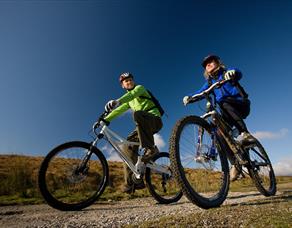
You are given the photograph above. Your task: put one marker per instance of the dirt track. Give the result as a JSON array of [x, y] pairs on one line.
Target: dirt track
[[106, 214]]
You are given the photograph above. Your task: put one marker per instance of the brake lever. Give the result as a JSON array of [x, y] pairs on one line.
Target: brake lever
[[95, 125]]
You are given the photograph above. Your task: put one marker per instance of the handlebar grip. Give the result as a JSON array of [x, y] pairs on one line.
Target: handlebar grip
[[193, 100]]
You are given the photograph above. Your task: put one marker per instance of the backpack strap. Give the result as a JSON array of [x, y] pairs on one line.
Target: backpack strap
[[149, 98], [241, 91], [155, 102]]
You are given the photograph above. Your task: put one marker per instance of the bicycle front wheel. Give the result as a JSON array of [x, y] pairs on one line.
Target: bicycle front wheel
[[260, 169], [70, 179], [199, 164], [162, 186]]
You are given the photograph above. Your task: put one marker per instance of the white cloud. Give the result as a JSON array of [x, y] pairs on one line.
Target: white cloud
[[110, 153], [159, 142], [283, 168], [114, 157], [271, 135]]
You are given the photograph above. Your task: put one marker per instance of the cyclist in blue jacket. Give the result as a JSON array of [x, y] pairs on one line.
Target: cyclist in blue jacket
[[231, 97]]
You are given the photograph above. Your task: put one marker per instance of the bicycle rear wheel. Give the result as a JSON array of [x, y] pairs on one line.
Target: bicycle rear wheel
[[203, 177], [161, 186], [260, 169], [69, 179]]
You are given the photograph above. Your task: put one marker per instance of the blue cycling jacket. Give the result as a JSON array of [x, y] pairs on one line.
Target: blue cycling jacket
[[227, 90]]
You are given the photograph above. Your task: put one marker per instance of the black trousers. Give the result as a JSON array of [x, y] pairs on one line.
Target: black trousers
[[234, 111], [146, 126]]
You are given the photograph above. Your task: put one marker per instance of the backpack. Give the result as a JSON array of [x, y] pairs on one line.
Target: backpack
[[241, 91], [155, 101]]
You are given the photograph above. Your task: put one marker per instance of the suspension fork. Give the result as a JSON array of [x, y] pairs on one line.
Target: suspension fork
[[83, 165], [199, 141], [213, 143]]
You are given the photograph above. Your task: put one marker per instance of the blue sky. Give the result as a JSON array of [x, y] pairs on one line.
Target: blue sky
[[60, 61]]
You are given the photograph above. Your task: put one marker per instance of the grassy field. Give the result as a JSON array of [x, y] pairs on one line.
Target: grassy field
[[19, 174], [18, 181]]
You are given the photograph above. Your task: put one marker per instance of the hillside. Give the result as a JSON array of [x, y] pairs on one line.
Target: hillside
[[18, 181]]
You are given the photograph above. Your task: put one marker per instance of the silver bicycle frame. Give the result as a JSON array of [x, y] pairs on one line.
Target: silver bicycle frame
[[118, 143]]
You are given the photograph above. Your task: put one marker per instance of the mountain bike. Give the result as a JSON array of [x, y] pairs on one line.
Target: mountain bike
[[199, 151], [74, 175]]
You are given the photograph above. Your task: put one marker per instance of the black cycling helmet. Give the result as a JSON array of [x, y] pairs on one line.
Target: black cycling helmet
[[209, 58], [125, 75]]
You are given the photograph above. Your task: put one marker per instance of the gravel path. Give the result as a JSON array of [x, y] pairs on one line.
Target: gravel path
[[105, 214]]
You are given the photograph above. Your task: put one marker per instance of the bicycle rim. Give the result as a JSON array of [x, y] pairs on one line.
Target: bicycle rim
[[64, 184], [261, 169], [163, 187], [204, 178]]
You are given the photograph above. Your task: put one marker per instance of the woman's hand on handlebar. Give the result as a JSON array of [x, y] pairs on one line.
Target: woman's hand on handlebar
[[186, 100], [189, 99]]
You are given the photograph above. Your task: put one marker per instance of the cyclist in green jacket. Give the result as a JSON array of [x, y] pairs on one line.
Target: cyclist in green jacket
[[148, 122]]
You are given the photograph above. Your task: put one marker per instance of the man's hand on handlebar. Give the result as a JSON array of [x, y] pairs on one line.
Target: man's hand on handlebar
[[110, 105]]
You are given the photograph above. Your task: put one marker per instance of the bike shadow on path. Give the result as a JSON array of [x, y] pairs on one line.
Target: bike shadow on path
[[243, 195], [282, 197], [119, 206]]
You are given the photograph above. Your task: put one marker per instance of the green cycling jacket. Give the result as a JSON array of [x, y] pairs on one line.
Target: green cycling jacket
[[132, 100]]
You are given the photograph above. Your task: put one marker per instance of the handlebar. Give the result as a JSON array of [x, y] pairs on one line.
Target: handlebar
[[100, 121], [207, 91]]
